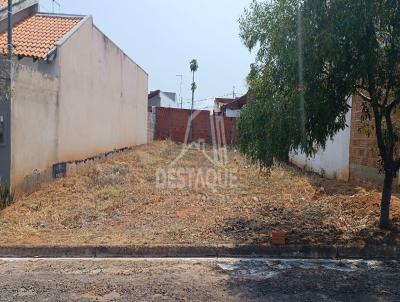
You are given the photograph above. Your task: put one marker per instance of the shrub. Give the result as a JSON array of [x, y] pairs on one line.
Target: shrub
[[6, 195]]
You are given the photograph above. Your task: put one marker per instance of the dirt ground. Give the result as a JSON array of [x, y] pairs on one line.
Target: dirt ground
[[117, 202]]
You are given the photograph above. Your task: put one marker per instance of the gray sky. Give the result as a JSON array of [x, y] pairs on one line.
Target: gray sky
[[162, 36]]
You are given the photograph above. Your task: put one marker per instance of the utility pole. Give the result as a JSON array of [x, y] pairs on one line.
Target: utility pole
[[193, 89], [9, 32], [180, 89], [234, 94], [8, 64]]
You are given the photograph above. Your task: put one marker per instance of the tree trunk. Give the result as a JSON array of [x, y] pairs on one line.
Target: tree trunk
[[386, 197]]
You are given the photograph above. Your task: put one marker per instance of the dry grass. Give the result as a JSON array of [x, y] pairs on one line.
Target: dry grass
[[116, 202]]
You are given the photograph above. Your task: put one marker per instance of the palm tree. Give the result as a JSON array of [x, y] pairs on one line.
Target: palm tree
[[194, 65], [193, 68]]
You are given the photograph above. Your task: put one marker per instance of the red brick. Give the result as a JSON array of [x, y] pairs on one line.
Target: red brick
[[172, 124]]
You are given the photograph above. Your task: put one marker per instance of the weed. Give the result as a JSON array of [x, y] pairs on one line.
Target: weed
[[6, 195], [104, 175]]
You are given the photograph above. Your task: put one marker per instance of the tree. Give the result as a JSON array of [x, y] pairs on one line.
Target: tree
[[312, 56], [259, 121], [194, 66]]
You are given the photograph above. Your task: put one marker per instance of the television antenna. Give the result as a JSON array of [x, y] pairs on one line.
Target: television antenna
[[180, 89]]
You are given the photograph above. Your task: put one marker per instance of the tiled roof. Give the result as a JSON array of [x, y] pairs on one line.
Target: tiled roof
[[238, 103], [223, 100], [37, 35], [3, 3]]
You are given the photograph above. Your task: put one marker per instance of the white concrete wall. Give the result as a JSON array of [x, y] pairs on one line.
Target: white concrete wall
[[34, 113], [167, 101], [334, 161], [103, 96], [164, 100], [232, 113]]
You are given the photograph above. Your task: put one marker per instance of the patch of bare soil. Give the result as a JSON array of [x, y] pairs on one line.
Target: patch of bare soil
[[117, 202]]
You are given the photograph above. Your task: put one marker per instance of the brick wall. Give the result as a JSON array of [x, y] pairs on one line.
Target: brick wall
[[173, 123], [363, 158], [229, 129], [364, 154], [361, 148]]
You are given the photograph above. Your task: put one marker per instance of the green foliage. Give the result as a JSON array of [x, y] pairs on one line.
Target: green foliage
[[194, 87], [194, 66], [6, 196], [357, 51], [253, 125], [256, 139], [4, 73], [301, 116], [312, 55], [264, 125]]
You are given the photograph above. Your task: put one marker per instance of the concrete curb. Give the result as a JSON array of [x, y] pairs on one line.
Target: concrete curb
[[205, 251]]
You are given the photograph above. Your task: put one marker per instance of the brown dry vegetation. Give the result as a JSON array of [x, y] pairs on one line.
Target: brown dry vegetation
[[116, 202]]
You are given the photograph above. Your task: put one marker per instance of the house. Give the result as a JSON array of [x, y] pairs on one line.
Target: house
[[350, 155], [232, 109], [219, 102], [160, 98], [75, 96]]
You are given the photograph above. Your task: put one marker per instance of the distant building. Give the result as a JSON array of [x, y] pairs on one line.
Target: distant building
[[219, 102], [160, 98], [232, 109]]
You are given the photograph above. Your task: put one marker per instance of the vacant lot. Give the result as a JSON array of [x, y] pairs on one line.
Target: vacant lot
[[117, 202]]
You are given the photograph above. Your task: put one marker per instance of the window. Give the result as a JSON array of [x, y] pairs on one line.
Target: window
[[59, 170], [2, 130]]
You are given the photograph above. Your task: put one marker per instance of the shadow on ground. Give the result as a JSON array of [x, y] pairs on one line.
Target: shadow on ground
[[308, 281], [258, 231]]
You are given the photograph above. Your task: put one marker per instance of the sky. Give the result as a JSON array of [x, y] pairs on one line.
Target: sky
[[163, 36]]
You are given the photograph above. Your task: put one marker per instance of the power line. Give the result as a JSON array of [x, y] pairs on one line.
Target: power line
[[204, 108], [210, 98]]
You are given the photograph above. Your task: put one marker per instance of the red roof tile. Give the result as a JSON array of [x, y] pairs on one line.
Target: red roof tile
[[37, 35], [3, 3]]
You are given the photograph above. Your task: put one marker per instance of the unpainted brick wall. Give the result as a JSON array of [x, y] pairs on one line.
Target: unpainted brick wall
[[362, 147], [364, 154], [228, 131], [172, 123]]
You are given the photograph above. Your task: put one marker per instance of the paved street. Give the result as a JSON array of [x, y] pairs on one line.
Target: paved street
[[198, 280]]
